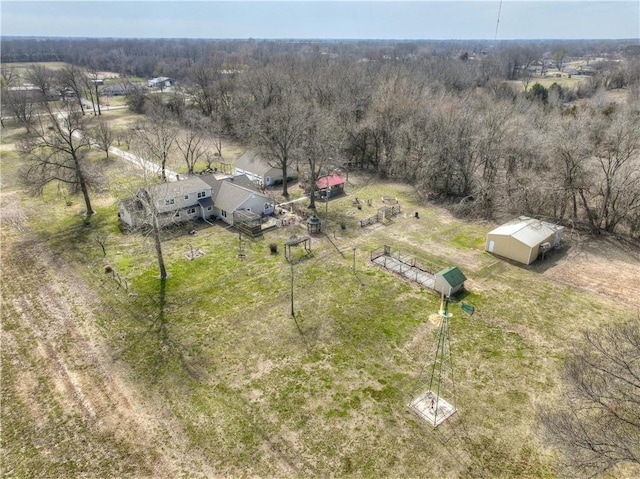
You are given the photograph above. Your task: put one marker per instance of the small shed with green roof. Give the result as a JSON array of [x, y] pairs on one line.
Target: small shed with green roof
[[449, 281]]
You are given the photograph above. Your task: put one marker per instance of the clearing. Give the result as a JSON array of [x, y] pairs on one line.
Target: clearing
[[208, 375]]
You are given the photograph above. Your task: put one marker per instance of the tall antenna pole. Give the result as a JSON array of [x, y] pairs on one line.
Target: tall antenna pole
[[498, 21]]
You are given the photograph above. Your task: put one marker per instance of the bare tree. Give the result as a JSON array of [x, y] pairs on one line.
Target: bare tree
[[151, 208], [616, 143], [56, 150], [278, 128], [192, 142], [9, 76], [21, 105], [319, 146], [92, 90], [149, 200], [202, 77], [596, 422], [135, 96], [156, 137], [570, 144], [41, 77], [558, 58], [73, 78], [103, 136]]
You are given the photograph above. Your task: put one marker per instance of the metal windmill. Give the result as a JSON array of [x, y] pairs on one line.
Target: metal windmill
[[428, 401]]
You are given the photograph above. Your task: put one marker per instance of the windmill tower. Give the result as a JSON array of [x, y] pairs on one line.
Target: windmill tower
[[434, 397]]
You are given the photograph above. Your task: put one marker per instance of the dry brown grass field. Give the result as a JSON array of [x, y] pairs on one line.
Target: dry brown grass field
[[210, 376]]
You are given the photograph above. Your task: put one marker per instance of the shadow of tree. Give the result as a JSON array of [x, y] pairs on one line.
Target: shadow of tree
[[159, 347]]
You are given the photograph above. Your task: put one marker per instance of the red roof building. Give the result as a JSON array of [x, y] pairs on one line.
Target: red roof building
[[331, 181], [330, 185]]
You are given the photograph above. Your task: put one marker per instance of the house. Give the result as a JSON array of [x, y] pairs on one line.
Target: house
[[175, 202], [119, 89], [258, 170], [522, 239], [238, 193], [449, 281], [198, 197], [160, 82], [330, 185]]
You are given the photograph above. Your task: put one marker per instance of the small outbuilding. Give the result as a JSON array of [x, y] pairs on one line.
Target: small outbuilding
[[523, 239], [259, 170], [160, 82], [449, 281], [314, 224], [330, 185]]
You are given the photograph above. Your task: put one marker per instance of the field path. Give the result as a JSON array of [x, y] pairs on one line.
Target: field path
[[59, 372]]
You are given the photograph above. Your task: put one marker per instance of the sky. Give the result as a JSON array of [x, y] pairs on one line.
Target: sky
[[312, 19]]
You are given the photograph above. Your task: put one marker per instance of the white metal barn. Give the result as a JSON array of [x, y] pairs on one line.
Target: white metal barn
[[523, 239]]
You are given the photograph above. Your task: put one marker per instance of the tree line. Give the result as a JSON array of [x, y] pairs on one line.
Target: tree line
[[465, 127]]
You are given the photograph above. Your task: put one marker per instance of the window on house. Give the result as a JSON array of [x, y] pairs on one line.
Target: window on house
[[191, 211], [201, 194], [169, 202], [186, 197], [177, 214], [223, 213], [208, 208]]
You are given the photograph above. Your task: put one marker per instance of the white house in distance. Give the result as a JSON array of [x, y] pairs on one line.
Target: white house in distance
[[198, 197], [160, 82], [522, 239], [258, 170]]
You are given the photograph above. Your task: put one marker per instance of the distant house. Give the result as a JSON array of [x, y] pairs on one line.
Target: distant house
[[160, 82], [67, 93], [119, 89], [449, 281], [258, 170], [522, 239], [330, 185], [198, 197]]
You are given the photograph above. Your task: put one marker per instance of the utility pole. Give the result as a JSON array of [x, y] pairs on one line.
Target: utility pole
[[354, 260], [293, 313]]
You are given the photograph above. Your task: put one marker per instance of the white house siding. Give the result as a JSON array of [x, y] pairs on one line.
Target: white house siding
[[257, 169]]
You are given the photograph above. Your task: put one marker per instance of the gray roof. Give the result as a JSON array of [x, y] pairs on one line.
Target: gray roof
[[245, 182], [527, 230], [176, 188], [204, 202], [240, 180], [230, 195], [253, 163]]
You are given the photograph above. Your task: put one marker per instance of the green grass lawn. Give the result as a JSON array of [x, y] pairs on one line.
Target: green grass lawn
[[261, 394]]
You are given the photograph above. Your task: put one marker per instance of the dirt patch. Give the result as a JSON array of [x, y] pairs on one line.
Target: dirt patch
[[12, 213], [51, 308], [606, 265]]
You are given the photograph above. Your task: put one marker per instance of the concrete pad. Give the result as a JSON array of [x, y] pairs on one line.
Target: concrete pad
[[432, 409]]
